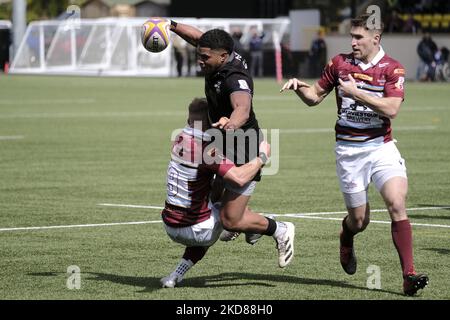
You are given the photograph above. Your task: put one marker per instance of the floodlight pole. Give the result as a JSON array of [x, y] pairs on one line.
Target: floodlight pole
[[19, 23]]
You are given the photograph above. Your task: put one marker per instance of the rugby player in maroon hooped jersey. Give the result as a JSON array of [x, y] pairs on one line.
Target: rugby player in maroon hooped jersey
[[369, 91], [189, 218]]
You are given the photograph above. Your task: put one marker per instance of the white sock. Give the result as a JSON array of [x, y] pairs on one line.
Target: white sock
[[182, 268], [280, 230]]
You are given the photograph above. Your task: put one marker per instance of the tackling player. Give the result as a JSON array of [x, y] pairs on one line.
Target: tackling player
[[188, 217], [369, 92]]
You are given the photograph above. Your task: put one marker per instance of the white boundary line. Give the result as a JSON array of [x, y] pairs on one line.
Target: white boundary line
[[371, 221], [80, 225], [129, 206], [62, 115], [46, 101], [308, 215], [371, 210], [283, 214], [11, 137], [328, 130]]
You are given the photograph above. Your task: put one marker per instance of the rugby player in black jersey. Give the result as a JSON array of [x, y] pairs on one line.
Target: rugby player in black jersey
[[229, 91]]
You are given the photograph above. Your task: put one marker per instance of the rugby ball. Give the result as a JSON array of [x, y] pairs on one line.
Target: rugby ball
[[155, 34]]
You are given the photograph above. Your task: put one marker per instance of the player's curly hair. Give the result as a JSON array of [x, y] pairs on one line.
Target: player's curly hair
[[217, 39]]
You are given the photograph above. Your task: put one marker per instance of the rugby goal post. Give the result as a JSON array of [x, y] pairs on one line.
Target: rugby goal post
[[112, 46]]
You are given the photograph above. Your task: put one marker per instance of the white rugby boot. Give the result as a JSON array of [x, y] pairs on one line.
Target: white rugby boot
[[171, 280], [285, 245]]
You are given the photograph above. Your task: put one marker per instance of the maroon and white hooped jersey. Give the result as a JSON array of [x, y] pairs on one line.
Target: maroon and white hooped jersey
[[189, 176], [382, 77]]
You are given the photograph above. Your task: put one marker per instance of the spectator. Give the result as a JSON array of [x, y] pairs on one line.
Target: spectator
[[180, 53], [289, 67], [317, 55], [256, 53], [426, 50], [237, 35], [441, 58], [5, 42], [442, 55], [411, 25], [394, 23], [191, 61]]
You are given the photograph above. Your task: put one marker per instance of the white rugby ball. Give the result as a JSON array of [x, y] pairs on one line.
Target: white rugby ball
[[155, 34]]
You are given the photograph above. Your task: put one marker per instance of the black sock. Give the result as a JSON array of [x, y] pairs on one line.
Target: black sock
[[271, 227], [347, 234]]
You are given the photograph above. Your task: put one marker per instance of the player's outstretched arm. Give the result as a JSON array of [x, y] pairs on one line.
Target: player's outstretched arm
[[310, 95], [189, 33], [245, 173]]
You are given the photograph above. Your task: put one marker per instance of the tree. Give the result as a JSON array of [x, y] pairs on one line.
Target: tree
[[45, 9], [38, 9]]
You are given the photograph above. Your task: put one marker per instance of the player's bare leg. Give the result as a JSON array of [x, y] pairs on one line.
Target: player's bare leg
[[356, 221], [234, 217], [394, 193], [250, 237], [232, 214]]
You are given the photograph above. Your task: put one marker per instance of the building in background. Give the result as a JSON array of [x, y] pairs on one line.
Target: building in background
[[92, 9]]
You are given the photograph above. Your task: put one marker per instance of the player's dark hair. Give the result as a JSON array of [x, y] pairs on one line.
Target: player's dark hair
[[198, 111], [366, 21], [217, 39]]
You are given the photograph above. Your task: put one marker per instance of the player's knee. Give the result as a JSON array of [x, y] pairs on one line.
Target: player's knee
[[397, 210], [396, 206], [359, 224], [229, 224], [365, 222]]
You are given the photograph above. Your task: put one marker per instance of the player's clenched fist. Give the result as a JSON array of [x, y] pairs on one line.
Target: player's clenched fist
[[221, 123]]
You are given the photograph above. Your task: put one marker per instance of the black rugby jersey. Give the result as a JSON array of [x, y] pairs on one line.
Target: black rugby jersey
[[233, 77]]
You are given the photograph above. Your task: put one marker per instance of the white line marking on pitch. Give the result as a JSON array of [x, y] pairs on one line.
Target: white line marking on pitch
[[326, 130], [46, 101], [371, 210], [129, 206], [307, 215], [11, 137], [58, 115], [281, 214], [80, 225], [371, 221]]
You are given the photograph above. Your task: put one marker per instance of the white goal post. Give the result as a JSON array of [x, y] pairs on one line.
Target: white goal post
[[112, 46]]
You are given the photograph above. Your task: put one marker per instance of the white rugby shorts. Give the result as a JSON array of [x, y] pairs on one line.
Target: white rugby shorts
[[357, 166], [246, 190], [203, 234]]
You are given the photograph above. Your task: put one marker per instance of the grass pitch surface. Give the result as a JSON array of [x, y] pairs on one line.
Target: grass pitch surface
[[68, 144]]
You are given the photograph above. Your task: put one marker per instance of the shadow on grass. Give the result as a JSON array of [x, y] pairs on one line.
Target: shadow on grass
[[431, 216], [437, 206], [232, 279], [46, 274], [439, 250]]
